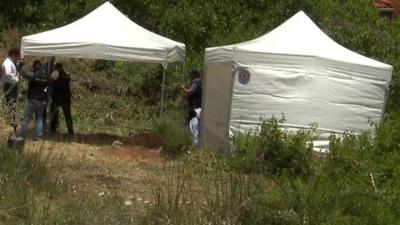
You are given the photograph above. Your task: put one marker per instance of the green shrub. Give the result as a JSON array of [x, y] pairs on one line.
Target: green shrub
[[355, 184], [176, 137], [246, 149], [275, 150]]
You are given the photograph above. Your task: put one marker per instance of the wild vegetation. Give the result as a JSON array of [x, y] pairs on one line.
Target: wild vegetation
[[273, 178]]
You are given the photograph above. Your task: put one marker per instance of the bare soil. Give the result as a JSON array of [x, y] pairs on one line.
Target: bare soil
[[103, 163]]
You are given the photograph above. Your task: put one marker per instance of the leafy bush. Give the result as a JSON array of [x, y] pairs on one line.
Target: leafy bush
[[176, 137], [275, 150], [246, 149], [355, 184]]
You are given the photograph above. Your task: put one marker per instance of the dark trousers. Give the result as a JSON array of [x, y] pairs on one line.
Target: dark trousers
[[45, 118], [66, 107], [11, 94], [190, 114]]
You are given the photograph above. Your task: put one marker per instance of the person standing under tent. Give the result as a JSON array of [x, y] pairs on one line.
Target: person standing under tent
[[37, 98], [60, 97], [193, 94], [10, 79]]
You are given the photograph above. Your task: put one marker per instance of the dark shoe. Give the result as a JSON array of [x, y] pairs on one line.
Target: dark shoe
[[15, 141]]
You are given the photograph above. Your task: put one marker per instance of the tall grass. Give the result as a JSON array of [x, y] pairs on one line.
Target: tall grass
[[191, 196], [28, 182], [176, 137], [33, 192], [354, 184]]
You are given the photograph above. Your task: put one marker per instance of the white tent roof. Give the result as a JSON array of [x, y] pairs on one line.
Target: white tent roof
[[105, 33], [298, 36], [295, 70]]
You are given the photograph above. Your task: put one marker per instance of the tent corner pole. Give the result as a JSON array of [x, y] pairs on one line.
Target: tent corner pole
[[164, 65]]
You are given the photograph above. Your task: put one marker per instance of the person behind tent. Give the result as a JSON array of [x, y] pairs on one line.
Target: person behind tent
[[194, 126], [10, 79], [60, 97], [193, 94], [37, 98]]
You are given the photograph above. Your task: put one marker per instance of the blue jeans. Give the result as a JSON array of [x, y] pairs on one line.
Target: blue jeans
[[36, 108]]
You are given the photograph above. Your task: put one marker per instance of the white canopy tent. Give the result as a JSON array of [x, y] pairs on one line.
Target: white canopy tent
[[295, 70], [105, 33]]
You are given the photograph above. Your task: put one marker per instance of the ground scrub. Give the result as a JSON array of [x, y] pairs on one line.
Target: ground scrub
[[176, 137], [274, 150]]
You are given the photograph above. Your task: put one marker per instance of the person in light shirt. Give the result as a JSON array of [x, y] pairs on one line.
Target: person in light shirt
[[10, 79]]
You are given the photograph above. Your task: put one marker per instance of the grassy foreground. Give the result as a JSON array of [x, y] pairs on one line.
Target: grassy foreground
[[102, 177], [274, 178]]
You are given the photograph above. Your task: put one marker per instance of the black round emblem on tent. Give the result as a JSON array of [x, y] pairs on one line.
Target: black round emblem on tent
[[244, 76]]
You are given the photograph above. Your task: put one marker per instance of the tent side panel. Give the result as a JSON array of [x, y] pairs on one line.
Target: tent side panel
[[217, 93], [308, 91]]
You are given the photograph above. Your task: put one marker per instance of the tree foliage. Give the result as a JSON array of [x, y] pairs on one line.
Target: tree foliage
[[205, 23]]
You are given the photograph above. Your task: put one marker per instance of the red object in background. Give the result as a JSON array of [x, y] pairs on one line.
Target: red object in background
[[390, 4]]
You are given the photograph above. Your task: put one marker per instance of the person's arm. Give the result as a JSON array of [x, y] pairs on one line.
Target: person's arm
[[54, 76], [188, 91], [29, 75], [20, 66]]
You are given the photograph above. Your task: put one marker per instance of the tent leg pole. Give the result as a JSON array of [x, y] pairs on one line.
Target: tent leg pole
[[163, 92]]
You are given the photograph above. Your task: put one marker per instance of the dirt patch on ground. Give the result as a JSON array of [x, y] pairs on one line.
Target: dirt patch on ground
[[139, 153], [101, 163], [101, 139], [138, 138]]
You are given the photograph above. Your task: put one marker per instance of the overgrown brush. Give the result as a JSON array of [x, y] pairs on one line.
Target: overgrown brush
[[176, 137], [274, 150], [33, 192], [27, 183], [355, 184], [189, 196]]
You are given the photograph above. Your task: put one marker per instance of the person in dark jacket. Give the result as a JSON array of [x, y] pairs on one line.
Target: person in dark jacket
[[193, 94], [37, 98], [60, 97]]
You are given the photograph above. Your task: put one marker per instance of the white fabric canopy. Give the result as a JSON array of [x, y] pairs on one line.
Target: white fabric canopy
[[105, 33], [295, 70], [298, 36]]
